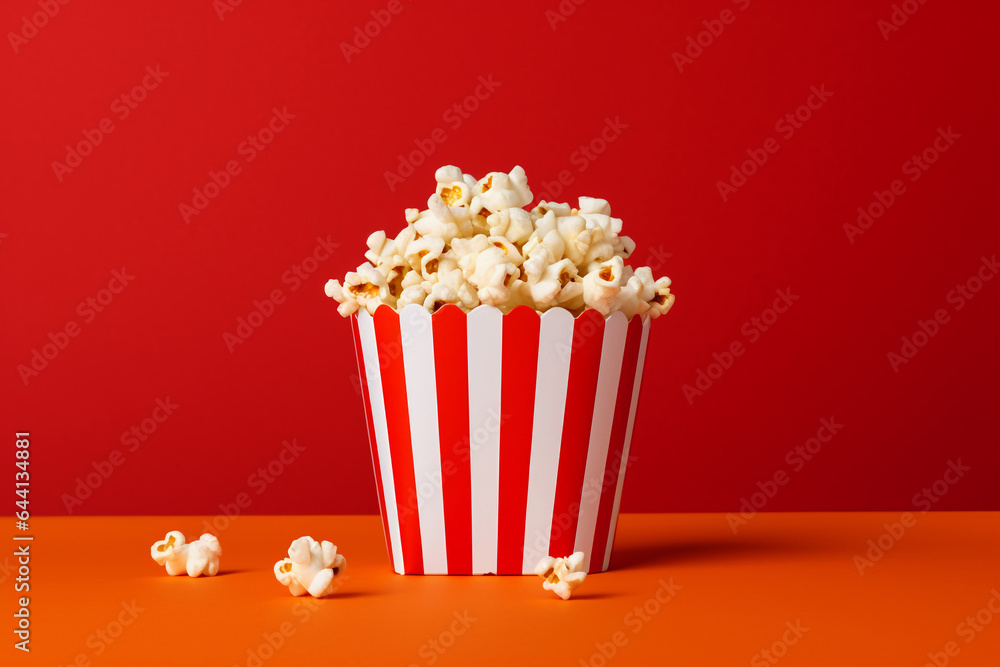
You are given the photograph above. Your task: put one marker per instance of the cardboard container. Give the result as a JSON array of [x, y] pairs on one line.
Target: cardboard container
[[498, 439]]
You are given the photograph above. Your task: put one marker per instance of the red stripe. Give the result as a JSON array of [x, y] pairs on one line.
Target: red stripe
[[397, 416], [519, 360], [623, 405], [584, 367], [363, 380], [451, 366]]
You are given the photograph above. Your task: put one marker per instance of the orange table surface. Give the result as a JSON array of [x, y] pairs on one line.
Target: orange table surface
[[788, 589]]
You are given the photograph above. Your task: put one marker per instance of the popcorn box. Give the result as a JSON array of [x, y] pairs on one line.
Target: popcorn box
[[498, 439]]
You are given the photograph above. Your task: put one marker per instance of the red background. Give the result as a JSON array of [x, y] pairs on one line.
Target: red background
[[324, 175]]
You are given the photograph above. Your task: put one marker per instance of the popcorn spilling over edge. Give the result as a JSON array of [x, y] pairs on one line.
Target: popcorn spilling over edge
[[310, 568], [195, 558], [475, 244], [562, 575]]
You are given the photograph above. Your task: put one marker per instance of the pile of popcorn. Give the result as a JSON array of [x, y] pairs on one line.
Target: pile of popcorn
[[476, 244]]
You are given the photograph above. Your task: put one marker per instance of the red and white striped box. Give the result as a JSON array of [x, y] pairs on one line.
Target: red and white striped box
[[498, 439]]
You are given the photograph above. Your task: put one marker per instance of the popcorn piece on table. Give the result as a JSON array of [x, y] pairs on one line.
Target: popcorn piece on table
[[311, 567], [200, 557], [562, 575]]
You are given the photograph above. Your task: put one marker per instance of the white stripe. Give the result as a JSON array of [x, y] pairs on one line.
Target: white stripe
[[612, 350], [628, 440], [371, 438], [421, 396], [366, 326], [484, 348], [555, 344]]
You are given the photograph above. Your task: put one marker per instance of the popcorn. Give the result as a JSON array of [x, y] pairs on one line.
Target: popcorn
[[662, 298], [576, 237], [512, 223], [601, 286], [594, 205], [196, 558], [436, 221], [638, 291], [440, 295], [310, 568], [476, 244], [467, 296], [488, 267], [509, 249], [348, 304], [497, 191], [423, 255], [453, 187], [562, 575], [412, 294], [552, 281]]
